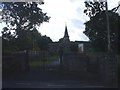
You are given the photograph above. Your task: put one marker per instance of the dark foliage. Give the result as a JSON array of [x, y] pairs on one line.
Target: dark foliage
[[21, 20], [96, 27]]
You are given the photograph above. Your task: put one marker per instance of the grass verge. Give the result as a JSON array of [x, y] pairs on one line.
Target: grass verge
[[38, 62]]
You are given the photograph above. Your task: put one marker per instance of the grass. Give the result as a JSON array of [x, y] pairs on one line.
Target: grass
[[38, 62]]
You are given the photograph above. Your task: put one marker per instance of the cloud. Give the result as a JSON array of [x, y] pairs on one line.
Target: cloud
[[70, 11], [61, 12], [77, 23], [112, 4]]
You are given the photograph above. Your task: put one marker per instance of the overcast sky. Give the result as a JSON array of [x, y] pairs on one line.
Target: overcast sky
[[66, 11], [69, 11]]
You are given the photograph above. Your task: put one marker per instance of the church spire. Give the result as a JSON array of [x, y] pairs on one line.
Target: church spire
[[66, 31]]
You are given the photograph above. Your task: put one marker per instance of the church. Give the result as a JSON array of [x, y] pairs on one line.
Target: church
[[67, 45]]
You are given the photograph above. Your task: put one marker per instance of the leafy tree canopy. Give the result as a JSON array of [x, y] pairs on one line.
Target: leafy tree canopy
[[22, 19], [96, 27], [20, 16]]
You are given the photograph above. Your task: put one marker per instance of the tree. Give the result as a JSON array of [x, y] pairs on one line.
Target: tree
[[21, 18], [43, 42], [96, 27], [92, 8], [29, 38]]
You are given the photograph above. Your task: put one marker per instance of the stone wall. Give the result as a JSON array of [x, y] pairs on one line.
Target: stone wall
[[102, 64], [14, 62], [54, 48], [75, 62], [108, 69]]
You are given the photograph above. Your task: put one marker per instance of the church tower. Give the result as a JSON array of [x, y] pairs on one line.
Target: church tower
[[66, 41], [66, 32], [66, 36]]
